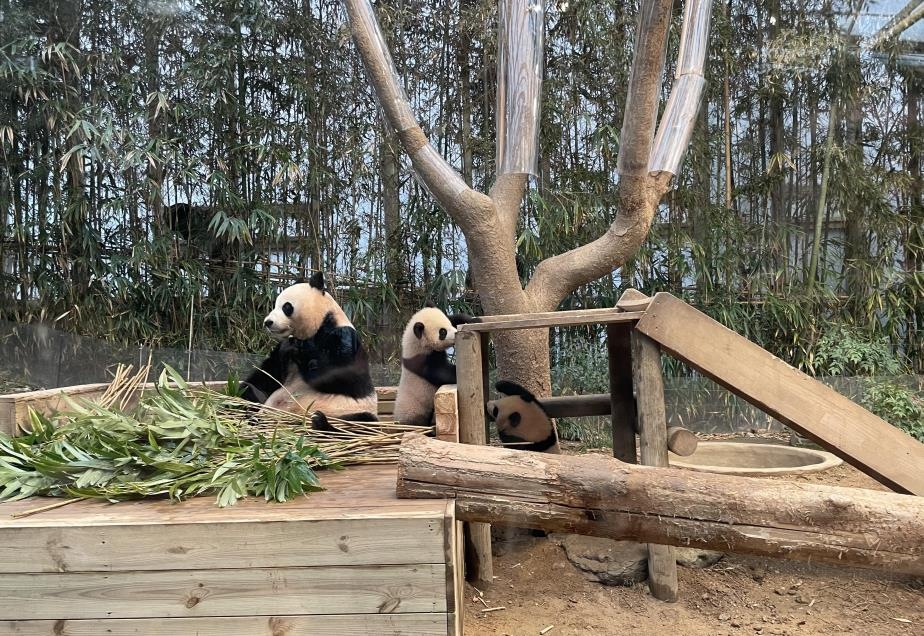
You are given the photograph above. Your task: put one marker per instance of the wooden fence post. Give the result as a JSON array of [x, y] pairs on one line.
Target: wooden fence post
[[652, 433], [622, 401], [470, 383]]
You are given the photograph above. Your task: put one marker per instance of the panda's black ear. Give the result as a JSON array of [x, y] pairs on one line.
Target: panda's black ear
[[317, 280], [429, 303], [512, 388], [418, 329]]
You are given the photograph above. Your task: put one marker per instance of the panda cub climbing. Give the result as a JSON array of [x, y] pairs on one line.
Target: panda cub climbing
[[319, 363], [424, 363], [522, 423]]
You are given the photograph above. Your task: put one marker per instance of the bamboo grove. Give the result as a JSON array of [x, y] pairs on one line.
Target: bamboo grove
[[167, 165]]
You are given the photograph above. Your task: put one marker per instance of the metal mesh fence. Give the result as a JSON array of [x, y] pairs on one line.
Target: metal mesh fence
[[40, 357]]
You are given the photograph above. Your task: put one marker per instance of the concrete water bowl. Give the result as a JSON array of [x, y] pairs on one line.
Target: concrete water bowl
[[743, 458]]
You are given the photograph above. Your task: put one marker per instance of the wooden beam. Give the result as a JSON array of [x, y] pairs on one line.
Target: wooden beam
[[590, 405], [633, 300], [225, 592], [420, 624], [470, 387], [445, 413], [547, 319], [817, 411], [622, 399], [601, 496], [652, 437]]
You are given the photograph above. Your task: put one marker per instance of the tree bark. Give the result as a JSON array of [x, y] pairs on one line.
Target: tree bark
[[601, 496]]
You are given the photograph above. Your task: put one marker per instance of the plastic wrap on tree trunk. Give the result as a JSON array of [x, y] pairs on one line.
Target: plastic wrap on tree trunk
[[519, 84], [691, 59], [677, 124]]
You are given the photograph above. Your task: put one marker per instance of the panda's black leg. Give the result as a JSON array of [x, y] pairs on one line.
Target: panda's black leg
[[319, 421], [365, 416]]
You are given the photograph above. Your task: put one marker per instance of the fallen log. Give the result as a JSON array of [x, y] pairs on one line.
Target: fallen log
[[601, 496]]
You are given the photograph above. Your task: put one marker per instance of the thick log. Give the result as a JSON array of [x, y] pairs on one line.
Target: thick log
[[601, 496]]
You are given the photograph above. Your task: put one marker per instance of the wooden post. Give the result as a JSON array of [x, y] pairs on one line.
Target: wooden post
[[622, 402], [470, 384], [652, 434]]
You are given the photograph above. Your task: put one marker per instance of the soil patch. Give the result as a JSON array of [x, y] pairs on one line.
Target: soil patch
[[739, 595]]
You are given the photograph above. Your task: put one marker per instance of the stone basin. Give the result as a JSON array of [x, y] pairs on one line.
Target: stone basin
[[743, 458]]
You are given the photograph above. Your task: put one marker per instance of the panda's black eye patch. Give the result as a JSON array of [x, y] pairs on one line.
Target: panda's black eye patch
[[442, 333], [288, 309], [495, 412], [515, 419]]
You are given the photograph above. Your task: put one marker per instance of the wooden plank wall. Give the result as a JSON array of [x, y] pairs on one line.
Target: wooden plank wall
[[817, 411], [350, 560]]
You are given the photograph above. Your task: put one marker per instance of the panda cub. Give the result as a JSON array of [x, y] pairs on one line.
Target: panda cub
[[424, 363], [319, 363], [522, 423]]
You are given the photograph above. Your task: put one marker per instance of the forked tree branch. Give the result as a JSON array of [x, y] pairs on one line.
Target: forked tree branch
[[639, 192], [466, 206]]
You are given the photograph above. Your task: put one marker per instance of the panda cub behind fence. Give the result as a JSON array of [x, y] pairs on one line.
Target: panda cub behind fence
[[424, 363], [319, 363], [522, 422]]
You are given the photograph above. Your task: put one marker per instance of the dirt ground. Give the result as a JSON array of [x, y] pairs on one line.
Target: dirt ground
[[739, 595]]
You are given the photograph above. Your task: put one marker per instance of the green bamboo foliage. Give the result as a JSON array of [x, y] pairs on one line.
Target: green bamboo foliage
[[259, 114], [180, 441]]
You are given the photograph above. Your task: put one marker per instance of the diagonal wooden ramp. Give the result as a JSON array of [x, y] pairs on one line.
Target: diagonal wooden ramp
[[820, 413]]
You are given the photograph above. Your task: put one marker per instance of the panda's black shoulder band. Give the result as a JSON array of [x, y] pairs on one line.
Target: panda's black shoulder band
[[537, 447], [512, 388]]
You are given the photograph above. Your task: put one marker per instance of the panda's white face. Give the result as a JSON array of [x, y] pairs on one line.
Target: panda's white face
[[428, 330], [300, 309]]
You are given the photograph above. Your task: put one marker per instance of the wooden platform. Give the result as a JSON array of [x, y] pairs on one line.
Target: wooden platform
[[351, 560]]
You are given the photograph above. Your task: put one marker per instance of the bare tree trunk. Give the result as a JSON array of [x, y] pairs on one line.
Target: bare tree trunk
[[601, 496], [822, 198], [914, 242], [489, 221], [395, 275]]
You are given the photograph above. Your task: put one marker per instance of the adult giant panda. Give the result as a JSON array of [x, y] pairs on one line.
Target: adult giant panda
[[522, 423], [319, 363], [424, 363]]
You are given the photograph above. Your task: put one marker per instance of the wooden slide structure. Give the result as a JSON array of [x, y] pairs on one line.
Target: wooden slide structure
[[802, 403], [668, 507]]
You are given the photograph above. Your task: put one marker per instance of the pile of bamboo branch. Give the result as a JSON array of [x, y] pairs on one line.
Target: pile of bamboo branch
[[178, 440]]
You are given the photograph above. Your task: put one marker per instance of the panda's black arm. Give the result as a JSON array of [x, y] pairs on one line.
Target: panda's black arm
[[330, 348], [439, 370], [271, 375], [433, 367], [352, 380], [462, 319]]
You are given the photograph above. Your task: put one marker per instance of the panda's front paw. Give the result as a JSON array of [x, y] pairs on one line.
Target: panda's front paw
[[319, 422]]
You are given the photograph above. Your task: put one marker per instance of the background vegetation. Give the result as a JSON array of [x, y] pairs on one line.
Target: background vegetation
[[258, 115]]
